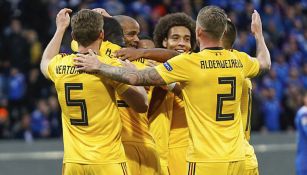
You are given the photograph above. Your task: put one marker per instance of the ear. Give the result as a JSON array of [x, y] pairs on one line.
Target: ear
[[101, 35], [199, 32], [73, 36], [164, 43]]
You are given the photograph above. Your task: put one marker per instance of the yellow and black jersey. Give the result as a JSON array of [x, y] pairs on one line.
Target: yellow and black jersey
[[91, 120], [211, 82]]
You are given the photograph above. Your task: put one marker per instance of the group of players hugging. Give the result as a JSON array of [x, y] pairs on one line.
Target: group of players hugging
[[179, 104]]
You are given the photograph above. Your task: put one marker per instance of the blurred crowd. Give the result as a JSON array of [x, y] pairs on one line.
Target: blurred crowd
[[28, 103]]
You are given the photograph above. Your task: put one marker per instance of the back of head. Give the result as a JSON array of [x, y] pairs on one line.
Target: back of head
[[123, 19], [230, 35], [212, 20], [146, 42], [171, 20], [87, 26], [113, 31]]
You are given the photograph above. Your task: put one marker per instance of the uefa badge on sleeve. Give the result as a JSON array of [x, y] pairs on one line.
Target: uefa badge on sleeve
[[167, 66]]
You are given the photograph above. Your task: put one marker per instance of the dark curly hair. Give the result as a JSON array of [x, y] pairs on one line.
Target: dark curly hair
[[171, 20]]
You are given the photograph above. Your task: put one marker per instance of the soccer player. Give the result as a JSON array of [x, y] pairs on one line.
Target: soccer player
[[176, 32], [113, 37], [251, 163], [211, 82], [138, 142], [91, 120], [301, 125], [131, 29]]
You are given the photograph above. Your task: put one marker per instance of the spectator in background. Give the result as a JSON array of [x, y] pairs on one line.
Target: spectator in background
[[16, 93], [304, 75], [114, 7], [19, 55], [271, 80], [271, 110], [54, 117], [4, 118], [281, 67], [35, 47], [293, 77], [22, 129], [40, 125], [301, 125], [35, 87], [3, 85], [292, 103]]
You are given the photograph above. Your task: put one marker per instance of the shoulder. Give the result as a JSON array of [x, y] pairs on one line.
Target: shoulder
[[62, 57], [239, 53], [302, 111]]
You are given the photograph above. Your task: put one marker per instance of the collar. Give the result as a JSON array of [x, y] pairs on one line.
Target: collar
[[214, 48]]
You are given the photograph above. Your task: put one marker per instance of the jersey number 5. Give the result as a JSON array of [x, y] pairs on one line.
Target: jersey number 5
[[225, 97], [80, 102]]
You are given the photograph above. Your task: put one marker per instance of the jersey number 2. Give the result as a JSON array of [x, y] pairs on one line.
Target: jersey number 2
[[80, 102], [225, 97]]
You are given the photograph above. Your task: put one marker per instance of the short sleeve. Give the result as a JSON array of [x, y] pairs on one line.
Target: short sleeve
[[251, 65], [52, 66], [176, 69]]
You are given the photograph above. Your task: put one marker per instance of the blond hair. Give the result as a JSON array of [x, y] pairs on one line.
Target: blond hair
[[86, 26], [212, 20]]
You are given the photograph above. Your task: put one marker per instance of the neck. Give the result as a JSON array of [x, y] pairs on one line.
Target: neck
[[94, 47], [205, 43]]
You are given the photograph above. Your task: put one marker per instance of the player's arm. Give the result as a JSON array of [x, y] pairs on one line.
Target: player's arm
[[136, 98], [53, 48], [158, 95], [177, 90], [157, 54], [144, 77], [263, 54]]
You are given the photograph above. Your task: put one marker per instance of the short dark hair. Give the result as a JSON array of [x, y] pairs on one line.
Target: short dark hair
[[113, 32], [86, 26], [212, 20], [230, 35], [145, 37], [172, 20]]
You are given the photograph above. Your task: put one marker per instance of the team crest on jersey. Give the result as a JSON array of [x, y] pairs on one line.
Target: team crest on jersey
[[167, 66]]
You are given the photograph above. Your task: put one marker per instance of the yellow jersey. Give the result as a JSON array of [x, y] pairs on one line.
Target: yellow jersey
[[106, 48], [179, 133], [246, 103], [211, 82], [90, 118], [135, 125], [159, 126]]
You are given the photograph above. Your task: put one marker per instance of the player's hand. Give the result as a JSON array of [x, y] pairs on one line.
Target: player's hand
[[129, 53], [102, 11], [88, 62], [256, 26], [151, 63], [63, 18]]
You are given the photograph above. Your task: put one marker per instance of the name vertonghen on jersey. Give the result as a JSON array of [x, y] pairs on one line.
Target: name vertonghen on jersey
[[65, 69], [217, 64]]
